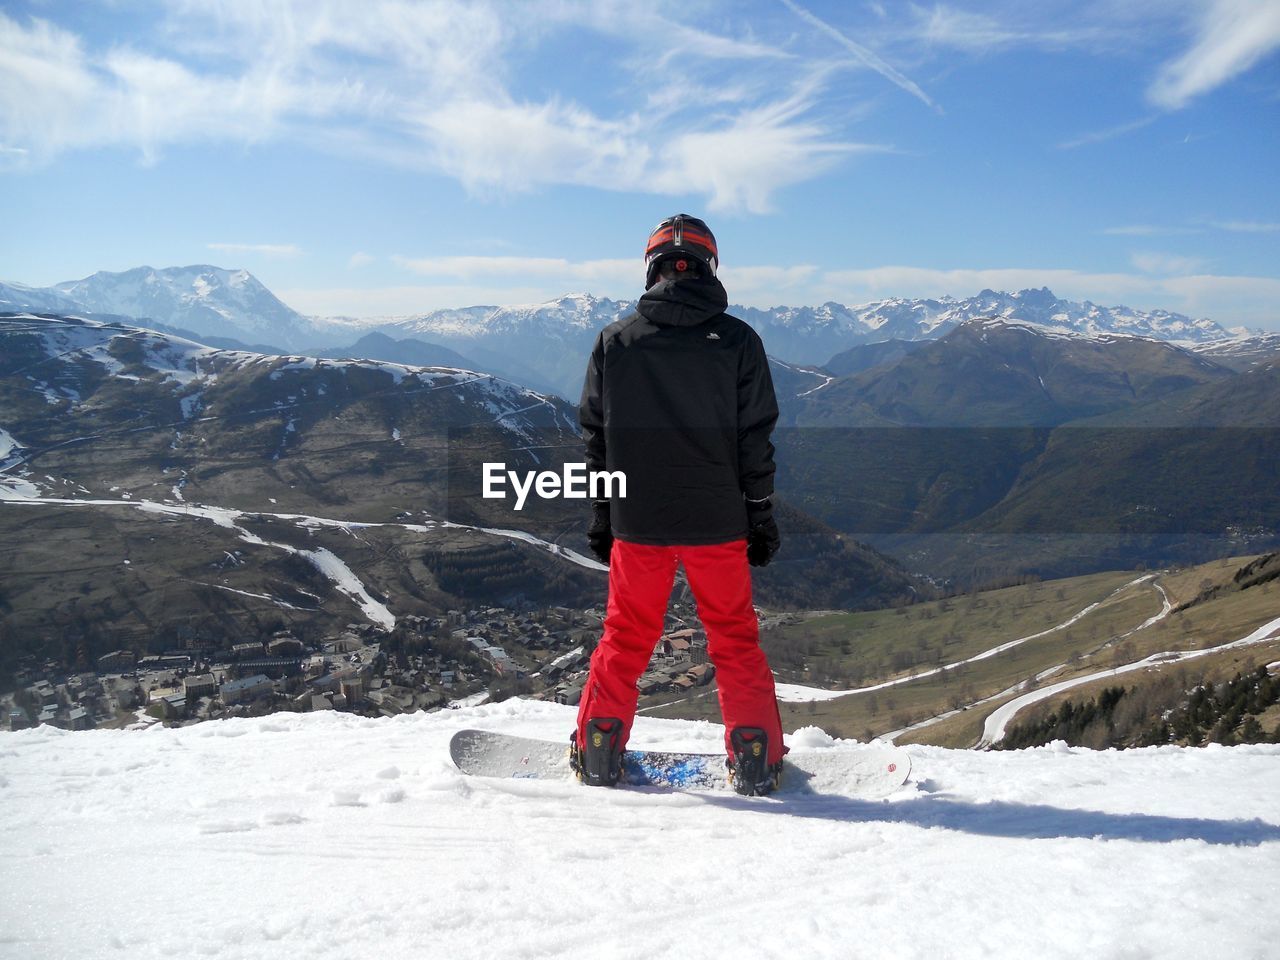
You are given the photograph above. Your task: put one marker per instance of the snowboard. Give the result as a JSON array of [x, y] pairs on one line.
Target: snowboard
[[865, 771]]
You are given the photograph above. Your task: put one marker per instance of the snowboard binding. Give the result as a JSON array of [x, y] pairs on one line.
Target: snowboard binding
[[750, 772], [597, 760]]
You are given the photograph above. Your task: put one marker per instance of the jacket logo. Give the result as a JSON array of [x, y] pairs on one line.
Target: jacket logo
[[713, 336]]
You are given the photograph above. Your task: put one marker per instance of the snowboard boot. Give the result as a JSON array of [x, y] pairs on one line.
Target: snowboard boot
[[750, 772], [598, 761]]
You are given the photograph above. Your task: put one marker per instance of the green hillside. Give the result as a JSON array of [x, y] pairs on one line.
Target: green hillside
[[1072, 627]]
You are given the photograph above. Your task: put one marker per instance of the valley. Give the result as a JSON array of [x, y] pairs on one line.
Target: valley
[[998, 510]]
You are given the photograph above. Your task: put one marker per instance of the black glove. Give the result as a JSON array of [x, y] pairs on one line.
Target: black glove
[[762, 533], [600, 533]]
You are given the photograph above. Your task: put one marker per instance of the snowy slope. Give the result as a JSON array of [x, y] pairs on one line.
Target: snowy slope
[[330, 836]]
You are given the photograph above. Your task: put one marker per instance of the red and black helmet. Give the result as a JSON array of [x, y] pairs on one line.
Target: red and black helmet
[[677, 237]]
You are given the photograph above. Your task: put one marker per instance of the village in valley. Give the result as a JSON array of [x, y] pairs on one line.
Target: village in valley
[[425, 663]]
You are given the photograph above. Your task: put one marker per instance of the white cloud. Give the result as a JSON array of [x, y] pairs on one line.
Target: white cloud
[[1145, 230], [45, 87], [862, 54], [1018, 25], [743, 163], [1166, 263], [946, 26], [399, 301], [1246, 226], [259, 249], [595, 275], [1110, 133], [1231, 37], [360, 259], [428, 86], [55, 96], [515, 146]]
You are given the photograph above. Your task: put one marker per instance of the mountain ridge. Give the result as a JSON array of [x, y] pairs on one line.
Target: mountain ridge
[[545, 344]]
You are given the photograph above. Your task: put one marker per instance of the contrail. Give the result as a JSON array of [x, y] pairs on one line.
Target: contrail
[[862, 53]]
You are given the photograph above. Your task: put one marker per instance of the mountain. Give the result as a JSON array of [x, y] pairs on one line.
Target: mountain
[[1202, 461], [17, 297], [791, 382], [154, 486], [1004, 446], [995, 372], [814, 334], [868, 355], [205, 299], [211, 300], [1241, 353], [417, 353], [150, 484], [545, 345], [550, 340]]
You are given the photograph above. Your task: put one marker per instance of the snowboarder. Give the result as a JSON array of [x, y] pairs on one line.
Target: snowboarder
[[678, 397]]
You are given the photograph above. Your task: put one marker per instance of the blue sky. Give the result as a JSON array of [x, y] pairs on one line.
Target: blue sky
[[393, 157]]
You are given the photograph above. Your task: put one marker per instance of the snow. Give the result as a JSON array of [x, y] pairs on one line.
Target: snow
[[10, 450], [826, 380], [255, 596], [798, 693], [330, 836], [475, 700], [347, 582], [13, 487]]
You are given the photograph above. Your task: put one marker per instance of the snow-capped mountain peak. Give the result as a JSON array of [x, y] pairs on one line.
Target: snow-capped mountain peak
[[545, 344], [207, 299]]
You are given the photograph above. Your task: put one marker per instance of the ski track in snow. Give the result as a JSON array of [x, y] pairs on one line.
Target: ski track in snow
[[256, 596], [994, 729], [330, 836], [796, 693], [828, 379], [1166, 607]]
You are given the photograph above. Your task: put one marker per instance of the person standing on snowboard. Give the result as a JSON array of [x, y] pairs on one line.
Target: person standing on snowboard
[[679, 398]]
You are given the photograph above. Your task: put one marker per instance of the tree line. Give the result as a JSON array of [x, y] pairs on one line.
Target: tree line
[[1160, 713]]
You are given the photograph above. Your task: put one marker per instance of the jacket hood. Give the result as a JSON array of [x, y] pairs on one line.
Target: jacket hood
[[683, 303]]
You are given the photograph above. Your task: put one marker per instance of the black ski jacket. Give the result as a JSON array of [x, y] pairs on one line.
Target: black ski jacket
[[679, 398]]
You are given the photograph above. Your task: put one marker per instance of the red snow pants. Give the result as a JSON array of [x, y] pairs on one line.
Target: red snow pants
[[640, 581]]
